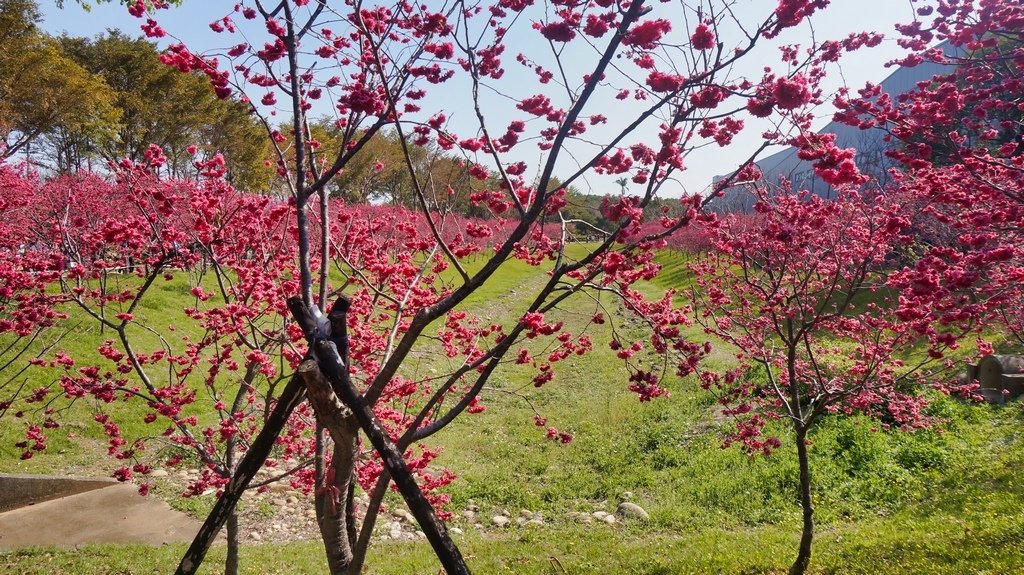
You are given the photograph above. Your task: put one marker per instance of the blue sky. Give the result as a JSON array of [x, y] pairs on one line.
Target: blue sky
[[190, 23]]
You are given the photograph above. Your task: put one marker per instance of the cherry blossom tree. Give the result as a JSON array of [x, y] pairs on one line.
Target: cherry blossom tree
[[26, 309], [390, 57], [822, 324], [958, 141], [118, 242], [442, 75]]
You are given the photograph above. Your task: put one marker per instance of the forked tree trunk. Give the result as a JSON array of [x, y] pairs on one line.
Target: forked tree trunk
[[334, 506], [331, 359], [803, 557], [331, 368]]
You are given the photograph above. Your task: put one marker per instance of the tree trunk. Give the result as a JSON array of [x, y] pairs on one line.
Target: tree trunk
[[803, 557], [362, 544], [330, 365], [230, 455], [253, 459], [336, 373], [231, 563], [334, 506]]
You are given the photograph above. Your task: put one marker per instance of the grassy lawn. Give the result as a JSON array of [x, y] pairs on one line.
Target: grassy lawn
[[944, 500]]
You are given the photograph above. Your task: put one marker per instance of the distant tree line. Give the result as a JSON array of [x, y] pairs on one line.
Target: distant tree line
[[70, 104]]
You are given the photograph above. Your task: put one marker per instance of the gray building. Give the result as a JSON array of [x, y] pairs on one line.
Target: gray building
[[870, 146]]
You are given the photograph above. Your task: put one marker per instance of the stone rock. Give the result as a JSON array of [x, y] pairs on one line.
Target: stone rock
[[600, 515], [158, 473], [627, 495], [454, 531], [279, 502], [292, 500], [627, 509], [526, 513], [500, 520], [256, 536], [535, 522], [470, 515], [421, 535], [520, 521], [609, 519], [473, 507], [405, 516]]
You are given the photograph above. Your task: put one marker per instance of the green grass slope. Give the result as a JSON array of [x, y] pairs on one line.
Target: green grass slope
[[947, 500]]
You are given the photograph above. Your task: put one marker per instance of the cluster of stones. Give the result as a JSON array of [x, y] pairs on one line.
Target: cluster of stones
[[402, 527], [293, 515], [278, 514], [625, 511], [501, 518]]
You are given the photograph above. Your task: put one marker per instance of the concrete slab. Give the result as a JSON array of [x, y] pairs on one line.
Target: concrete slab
[[18, 490], [114, 514]]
